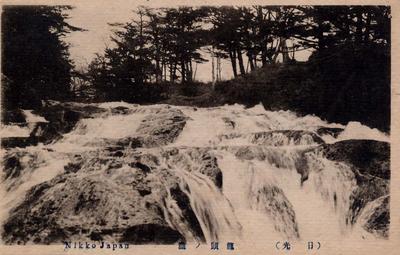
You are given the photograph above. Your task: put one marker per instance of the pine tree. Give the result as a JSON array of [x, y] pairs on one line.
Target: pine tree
[[35, 57]]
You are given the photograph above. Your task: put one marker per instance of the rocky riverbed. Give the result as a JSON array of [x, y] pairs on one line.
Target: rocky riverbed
[[162, 174]]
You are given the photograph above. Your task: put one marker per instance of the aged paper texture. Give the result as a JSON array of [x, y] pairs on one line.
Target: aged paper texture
[[200, 127]]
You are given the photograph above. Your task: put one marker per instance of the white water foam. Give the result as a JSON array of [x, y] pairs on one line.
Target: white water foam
[[233, 213], [23, 129], [355, 130]]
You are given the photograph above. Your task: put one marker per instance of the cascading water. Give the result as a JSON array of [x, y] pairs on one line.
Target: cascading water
[[265, 188], [273, 179], [214, 212]]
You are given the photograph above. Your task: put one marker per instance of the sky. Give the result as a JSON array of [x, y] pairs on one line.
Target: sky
[[85, 44], [95, 16]]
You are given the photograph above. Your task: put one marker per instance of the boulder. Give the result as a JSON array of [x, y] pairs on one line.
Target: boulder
[[370, 162], [379, 218], [15, 163], [120, 110], [368, 156], [20, 142], [196, 159], [107, 205], [12, 166], [102, 197], [62, 118], [13, 116], [334, 132], [368, 189], [183, 202], [271, 200], [162, 127]]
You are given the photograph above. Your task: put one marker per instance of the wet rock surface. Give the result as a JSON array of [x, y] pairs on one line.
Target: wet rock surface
[[112, 193], [368, 160], [141, 188], [334, 132], [62, 118], [116, 193], [370, 163], [183, 202], [13, 116], [21, 142], [12, 166], [286, 137], [80, 208], [101, 198], [366, 192], [378, 220], [368, 156], [273, 201], [196, 159], [16, 163], [162, 127]]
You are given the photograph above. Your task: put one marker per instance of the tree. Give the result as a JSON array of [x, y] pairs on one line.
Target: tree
[[356, 37], [259, 32], [124, 69], [226, 23], [185, 37], [154, 30], [35, 58], [155, 41]]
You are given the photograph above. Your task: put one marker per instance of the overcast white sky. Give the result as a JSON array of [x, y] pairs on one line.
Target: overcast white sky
[[95, 17], [85, 44]]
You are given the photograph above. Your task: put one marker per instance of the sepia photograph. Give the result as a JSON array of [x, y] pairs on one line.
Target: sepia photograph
[[213, 127]]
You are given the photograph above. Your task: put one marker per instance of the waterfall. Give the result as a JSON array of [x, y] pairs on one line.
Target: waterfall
[[274, 178]]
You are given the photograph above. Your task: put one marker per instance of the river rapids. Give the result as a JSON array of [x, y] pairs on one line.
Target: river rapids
[[163, 174]]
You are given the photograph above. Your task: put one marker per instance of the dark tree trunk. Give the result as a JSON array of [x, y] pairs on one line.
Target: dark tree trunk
[[241, 65], [212, 67], [189, 73], [164, 64], [158, 70], [251, 61], [183, 70], [173, 72], [285, 51], [232, 55], [171, 79], [264, 57]]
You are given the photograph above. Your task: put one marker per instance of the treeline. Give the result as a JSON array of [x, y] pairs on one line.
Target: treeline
[[346, 78], [165, 45]]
